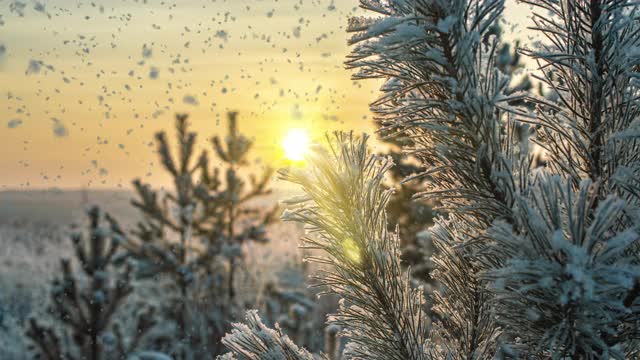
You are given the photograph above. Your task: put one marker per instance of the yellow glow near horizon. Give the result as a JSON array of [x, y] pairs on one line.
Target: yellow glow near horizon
[[296, 144]]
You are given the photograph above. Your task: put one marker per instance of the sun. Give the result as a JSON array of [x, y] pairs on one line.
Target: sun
[[296, 144]]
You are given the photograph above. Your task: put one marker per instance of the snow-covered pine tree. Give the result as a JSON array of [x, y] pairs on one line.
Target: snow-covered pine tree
[[533, 262], [568, 279], [194, 234], [414, 215], [444, 91], [85, 303]]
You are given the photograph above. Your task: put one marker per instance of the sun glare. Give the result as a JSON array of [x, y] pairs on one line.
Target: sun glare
[[296, 144]]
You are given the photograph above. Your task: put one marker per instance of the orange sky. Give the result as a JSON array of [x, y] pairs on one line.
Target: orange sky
[[89, 118]]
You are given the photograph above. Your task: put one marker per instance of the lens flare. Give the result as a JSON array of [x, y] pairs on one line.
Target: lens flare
[[351, 250]]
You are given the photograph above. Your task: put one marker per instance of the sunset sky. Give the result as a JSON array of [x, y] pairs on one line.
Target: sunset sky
[[85, 84]]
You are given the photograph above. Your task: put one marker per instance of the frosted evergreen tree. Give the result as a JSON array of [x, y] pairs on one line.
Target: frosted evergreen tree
[[413, 216], [532, 262], [571, 287], [444, 91], [85, 303], [195, 232]]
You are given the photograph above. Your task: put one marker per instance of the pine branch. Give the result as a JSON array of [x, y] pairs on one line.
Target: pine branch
[[570, 266], [444, 92], [253, 340], [381, 314], [591, 132], [589, 61]]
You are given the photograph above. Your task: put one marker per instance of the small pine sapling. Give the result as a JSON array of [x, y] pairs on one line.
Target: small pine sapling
[[195, 232], [85, 304]]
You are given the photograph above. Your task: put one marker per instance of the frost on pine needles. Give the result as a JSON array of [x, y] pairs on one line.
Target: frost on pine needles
[[569, 267], [381, 314], [343, 210], [590, 61], [254, 340], [444, 91]]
